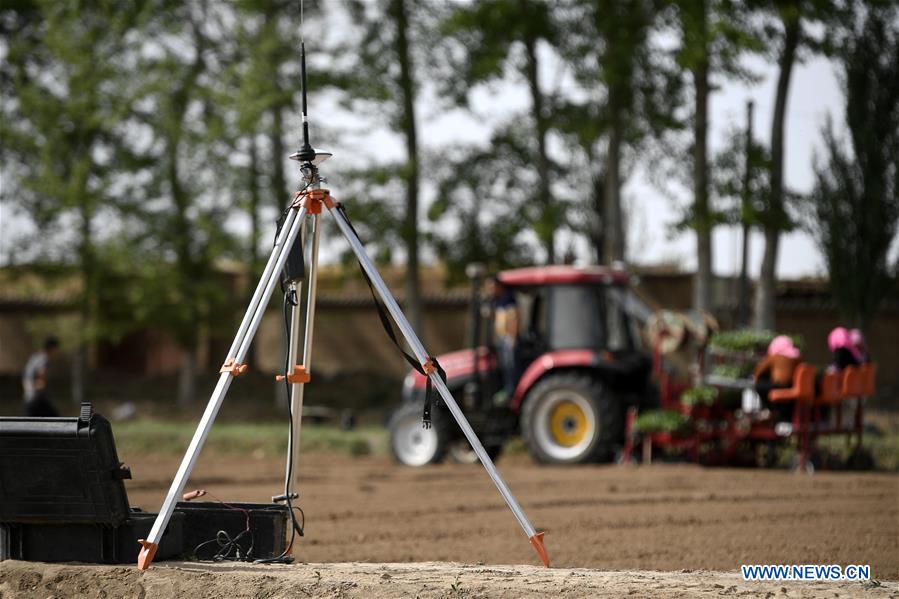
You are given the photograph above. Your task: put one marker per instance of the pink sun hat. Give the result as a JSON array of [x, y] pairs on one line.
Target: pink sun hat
[[839, 337], [782, 345]]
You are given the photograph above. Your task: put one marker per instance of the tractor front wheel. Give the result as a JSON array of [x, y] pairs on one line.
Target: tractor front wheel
[[412, 444], [570, 418]]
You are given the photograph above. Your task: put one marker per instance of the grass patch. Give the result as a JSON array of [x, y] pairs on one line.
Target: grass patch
[[260, 439], [884, 446]]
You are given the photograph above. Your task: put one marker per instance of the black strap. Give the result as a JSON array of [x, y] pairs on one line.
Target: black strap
[[383, 315]]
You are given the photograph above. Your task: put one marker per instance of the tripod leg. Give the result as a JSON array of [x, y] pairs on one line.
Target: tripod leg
[[297, 389], [242, 340], [271, 268], [418, 349]]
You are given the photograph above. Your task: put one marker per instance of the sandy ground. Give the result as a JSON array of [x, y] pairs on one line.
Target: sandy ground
[[660, 531], [665, 517], [428, 579]]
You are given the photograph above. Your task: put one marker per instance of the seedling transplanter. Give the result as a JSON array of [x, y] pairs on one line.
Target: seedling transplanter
[[307, 205]]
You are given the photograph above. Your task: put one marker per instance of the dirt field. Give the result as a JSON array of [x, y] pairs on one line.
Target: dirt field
[[376, 581], [662, 517], [661, 531]]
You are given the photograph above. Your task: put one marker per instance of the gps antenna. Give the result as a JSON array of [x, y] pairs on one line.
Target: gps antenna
[[306, 153]]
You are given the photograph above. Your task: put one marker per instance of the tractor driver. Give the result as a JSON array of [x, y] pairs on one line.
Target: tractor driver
[[505, 328]]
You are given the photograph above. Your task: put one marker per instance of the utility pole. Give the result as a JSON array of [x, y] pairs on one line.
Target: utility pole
[[746, 204]]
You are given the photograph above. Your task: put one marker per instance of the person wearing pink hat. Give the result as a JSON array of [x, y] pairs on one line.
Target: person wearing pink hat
[[858, 346], [775, 371], [844, 352]]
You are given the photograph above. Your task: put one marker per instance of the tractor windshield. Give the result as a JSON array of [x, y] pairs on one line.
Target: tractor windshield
[[590, 316]]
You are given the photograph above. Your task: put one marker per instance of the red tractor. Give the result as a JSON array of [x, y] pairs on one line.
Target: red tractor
[[580, 365]]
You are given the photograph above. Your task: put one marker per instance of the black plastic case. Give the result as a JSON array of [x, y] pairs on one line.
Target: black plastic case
[[89, 543], [269, 527], [62, 495], [62, 498], [61, 470]]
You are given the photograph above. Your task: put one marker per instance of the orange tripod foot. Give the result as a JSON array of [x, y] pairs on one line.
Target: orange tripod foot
[[145, 558], [540, 548]]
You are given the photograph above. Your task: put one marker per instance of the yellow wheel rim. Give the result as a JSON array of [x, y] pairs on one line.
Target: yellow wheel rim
[[568, 423]]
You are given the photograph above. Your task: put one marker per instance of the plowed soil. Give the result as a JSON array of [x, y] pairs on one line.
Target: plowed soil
[[665, 517]]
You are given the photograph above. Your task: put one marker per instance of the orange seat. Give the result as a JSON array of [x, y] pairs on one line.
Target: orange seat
[[869, 379], [853, 382], [803, 389], [831, 388]]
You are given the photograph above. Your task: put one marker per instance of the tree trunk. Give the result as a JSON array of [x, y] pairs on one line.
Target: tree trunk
[[613, 223], [746, 200], [88, 265], [702, 293], [186, 279], [546, 228], [254, 272], [187, 378], [774, 220], [279, 182], [598, 226], [253, 192], [411, 175]]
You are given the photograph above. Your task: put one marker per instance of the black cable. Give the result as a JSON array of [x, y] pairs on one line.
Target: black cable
[[225, 542], [290, 301], [227, 545], [283, 217]]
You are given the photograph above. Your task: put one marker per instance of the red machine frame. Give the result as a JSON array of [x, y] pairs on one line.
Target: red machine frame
[[715, 424]]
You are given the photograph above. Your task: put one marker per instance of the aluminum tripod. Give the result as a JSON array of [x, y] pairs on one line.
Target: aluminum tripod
[[308, 204]]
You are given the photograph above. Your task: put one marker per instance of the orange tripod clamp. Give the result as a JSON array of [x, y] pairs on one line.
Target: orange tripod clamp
[[234, 367], [299, 375], [428, 366], [313, 199]]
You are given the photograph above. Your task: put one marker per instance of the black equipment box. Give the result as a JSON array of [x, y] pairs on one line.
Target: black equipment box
[[62, 498], [61, 470], [89, 543], [62, 495], [269, 526]]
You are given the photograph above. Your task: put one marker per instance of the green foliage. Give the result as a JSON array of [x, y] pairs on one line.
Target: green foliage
[[748, 340], [482, 216], [66, 87], [485, 36], [732, 371], [632, 89], [661, 421], [735, 353], [737, 204], [484, 42], [699, 396], [853, 211]]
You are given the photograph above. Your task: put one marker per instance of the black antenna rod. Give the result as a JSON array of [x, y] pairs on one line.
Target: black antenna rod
[[306, 153]]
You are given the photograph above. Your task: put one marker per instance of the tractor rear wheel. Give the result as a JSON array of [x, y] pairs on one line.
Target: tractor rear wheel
[[412, 444], [570, 418]]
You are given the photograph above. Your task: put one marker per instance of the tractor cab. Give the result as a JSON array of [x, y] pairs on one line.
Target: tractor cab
[[577, 362], [566, 308]]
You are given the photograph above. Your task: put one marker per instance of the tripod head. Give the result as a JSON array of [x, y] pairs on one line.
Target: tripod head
[[308, 157]]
